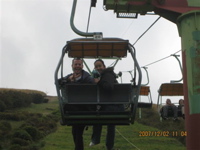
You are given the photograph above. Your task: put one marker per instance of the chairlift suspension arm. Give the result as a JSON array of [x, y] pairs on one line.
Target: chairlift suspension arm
[[176, 56], [86, 34], [145, 68]]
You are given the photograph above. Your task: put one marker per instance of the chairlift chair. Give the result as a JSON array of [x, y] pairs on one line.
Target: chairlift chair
[[88, 95], [169, 89], [145, 91]]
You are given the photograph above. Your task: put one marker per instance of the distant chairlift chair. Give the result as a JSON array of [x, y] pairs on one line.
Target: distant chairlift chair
[[169, 89]]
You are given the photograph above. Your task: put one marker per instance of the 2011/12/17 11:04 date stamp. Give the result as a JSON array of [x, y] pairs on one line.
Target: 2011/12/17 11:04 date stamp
[[162, 133]]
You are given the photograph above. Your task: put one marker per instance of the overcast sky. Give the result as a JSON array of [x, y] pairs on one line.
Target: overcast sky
[[33, 33]]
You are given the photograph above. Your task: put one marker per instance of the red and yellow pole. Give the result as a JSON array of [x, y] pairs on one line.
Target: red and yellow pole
[[189, 31]]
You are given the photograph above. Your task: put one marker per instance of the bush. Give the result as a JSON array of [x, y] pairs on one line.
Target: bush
[[22, 134], [44, 124], [38, 98], [5, 128], [15, 98], [46, 100], [12, 116], [2, 106], [21, 142], [33, 132], [15, 147]]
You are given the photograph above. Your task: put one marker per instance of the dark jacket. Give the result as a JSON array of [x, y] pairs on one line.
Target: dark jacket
[[106, 86], [107, 80], [85, 78]]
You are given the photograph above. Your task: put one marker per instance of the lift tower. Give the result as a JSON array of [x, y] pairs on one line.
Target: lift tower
[[186, 15]]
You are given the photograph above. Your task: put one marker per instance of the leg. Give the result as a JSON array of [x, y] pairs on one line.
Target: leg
[[96, 135], [77, 131], [165, 111], [175, 109], [110, 137], [183, 110]]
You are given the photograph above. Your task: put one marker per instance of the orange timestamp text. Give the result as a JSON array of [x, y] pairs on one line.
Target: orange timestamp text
[[162, 133]]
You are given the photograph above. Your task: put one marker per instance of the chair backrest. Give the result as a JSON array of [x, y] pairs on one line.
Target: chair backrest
[[91, 94]]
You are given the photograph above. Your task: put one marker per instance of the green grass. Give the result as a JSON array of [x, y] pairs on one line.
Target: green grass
[[127, 138], [44, 108]]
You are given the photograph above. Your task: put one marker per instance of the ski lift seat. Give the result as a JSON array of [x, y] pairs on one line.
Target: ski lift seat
[[92, 97], [145, 91], [170, 89], [84, 103]]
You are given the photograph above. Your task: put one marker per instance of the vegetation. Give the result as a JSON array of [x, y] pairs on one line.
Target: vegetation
[[176, 129], [16, 98], [36, 127], [20, 127], [147, 132]]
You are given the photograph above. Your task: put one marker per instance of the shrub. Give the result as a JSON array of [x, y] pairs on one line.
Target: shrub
[[16, 98], [46, 100], [33, 132], [22, 134], [12, 116], [5, 128], [37, 98], [21, 142], [15, 147], [2, 106]]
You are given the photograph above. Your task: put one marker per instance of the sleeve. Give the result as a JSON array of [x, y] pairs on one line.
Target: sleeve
[[89, 79], [107, 82], [64, 80]]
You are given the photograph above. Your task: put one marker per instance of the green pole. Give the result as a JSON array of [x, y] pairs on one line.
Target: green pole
[[189, 31]]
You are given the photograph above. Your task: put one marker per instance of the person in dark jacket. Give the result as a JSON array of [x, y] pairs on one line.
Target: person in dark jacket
[[106, 83], [79, 76], [165, 110]]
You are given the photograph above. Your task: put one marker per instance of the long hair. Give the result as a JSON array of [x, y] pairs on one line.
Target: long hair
[[101, 62]]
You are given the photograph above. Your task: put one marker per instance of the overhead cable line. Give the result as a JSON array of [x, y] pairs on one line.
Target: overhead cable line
[[160, 59], [146, 30], [129, 71], [127, 28], [127, 140]]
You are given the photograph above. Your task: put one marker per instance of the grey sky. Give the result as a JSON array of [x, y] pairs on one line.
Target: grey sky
[[33, 33]]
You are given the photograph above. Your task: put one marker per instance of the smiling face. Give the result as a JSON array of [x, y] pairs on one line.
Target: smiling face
[[99, 66], [77, 66]]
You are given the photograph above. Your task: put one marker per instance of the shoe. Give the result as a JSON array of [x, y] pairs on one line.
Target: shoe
[[165, 118], [175, 119], [92, 144]]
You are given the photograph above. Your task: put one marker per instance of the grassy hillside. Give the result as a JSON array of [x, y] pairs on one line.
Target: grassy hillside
[[26, 118], [133, 137], [144, 134], [127, 138]]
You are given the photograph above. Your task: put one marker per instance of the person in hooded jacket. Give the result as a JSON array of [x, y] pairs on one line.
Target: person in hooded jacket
[[79, 76], [106, 83]]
